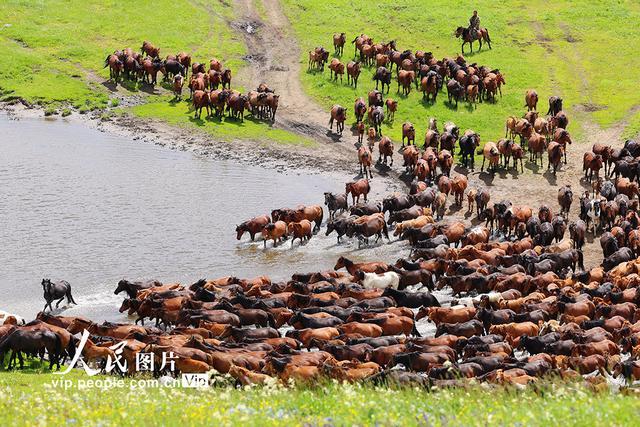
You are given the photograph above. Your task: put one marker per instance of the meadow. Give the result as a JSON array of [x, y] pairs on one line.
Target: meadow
[[577, 50], [29, 398], [52, 54]]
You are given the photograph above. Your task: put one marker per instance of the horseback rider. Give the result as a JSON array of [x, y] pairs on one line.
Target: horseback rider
[[474, 25]]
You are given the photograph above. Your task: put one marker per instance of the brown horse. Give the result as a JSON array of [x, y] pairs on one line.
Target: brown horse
[[565, 198], [371, 137], [115, 67], [421, 171], [458, 186], [215, 79], [185, 60], [196, 82], [491, 153], [357, 189], [317, 58], [365, 159], [562, 137], [338, 43], [300, 230], [336, 68], [472, 95], [225, 78], [408, 132], [405, 79], [200, 100], [236, 104], [554, 152], [178, 83], [313, 213], [537, 144], [218, 99], [252, 226], [353, 72], [385, 147], [359, 109], [274, 231], [429, 87], [445, 161], [215, 64], [392, 107], [531, 100], [150, 49], [360, 127], [591, 163], [339, 114], [410, 155], [469, 36]]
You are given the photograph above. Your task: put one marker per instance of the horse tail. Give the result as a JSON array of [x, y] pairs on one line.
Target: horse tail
[[414, 330], [57, 352], [71, 348], [488, 38], [70, 297], [385, 230], [271, 320], [106, 61], [580, 259]]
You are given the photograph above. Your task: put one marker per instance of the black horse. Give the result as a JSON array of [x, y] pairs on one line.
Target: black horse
[[468, 145], [56, 291]]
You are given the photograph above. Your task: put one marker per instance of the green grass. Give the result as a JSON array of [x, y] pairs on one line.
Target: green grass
[[52, 52], [579, 50], [180, 113], [28, 398]]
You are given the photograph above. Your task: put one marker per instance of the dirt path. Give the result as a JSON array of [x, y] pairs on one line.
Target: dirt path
[[274, 59]]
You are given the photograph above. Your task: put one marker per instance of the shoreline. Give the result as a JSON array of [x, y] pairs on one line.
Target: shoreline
[[321, 158]]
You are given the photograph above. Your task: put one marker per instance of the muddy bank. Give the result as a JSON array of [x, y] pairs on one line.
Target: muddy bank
[[319, 158]]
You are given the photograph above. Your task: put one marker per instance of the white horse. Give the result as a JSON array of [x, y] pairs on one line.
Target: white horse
[[4, 316], [389, 279]]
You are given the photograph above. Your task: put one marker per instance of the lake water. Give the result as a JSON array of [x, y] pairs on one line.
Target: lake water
[[93, 208]]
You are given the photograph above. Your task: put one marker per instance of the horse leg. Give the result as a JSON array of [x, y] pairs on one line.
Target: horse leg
[[59, 301]]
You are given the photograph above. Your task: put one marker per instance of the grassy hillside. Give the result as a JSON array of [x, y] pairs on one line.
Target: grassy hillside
[[52, 52], [581, 50], [29, 399]]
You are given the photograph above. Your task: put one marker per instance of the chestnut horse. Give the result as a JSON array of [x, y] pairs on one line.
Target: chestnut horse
[[339, 114], [252, 226], [385, 147], [358, 188], [364, 159]]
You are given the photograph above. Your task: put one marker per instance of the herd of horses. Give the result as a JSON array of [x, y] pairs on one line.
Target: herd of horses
[[471, 82], [209, 84], [523, 307], [536, 134]]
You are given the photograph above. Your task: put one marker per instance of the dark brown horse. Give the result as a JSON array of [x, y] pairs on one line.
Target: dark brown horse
[[470, 36], [338, 42], [115, 67], [252, 226]]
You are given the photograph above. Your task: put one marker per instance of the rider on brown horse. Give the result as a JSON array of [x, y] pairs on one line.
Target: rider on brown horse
[[474, 25]]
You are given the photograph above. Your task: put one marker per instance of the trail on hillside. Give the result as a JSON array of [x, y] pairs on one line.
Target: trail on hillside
[[274, 59]]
